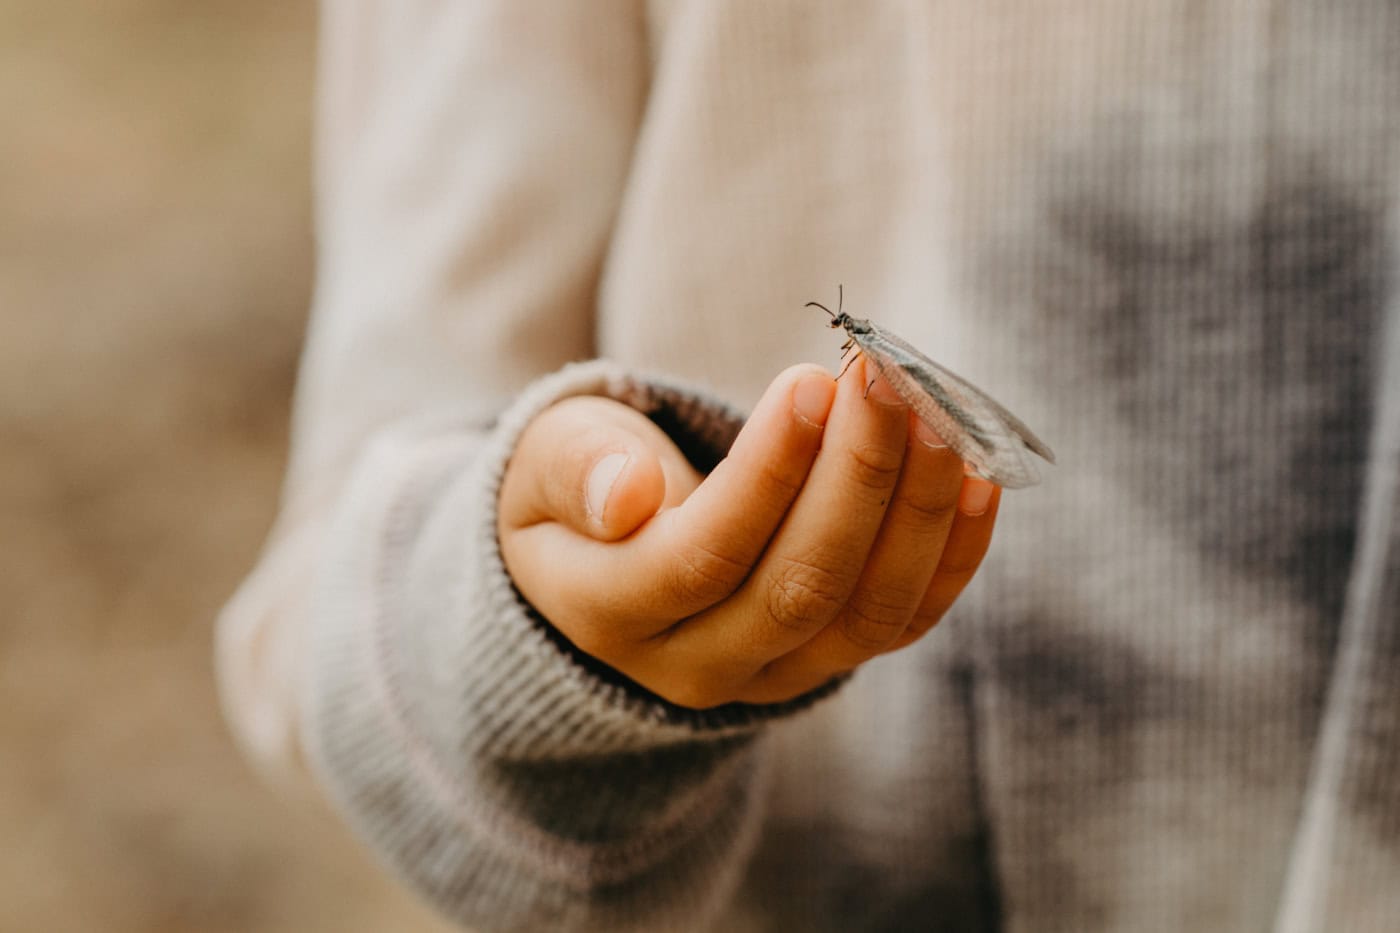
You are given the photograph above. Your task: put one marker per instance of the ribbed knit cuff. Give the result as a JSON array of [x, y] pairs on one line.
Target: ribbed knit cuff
[[438, 699]]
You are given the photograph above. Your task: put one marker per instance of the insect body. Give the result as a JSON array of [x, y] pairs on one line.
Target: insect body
[[995, 443]]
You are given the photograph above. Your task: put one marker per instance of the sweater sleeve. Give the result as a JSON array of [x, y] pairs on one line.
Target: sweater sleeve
[[492, 767], [470, 160]]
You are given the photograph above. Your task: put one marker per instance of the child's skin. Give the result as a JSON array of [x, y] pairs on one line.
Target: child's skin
[[837, 529]]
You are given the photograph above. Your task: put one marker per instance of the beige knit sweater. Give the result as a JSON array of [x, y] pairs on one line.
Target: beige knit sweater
[[1163, 232]]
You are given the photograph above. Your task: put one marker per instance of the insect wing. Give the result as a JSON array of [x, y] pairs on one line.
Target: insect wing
[[979, 429]]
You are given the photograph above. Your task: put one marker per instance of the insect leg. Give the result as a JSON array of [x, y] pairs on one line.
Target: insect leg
[[848, 365]]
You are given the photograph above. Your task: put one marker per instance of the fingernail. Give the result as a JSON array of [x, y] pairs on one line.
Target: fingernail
[[600, 483], [976, 496], [928, 436], [812, 396]]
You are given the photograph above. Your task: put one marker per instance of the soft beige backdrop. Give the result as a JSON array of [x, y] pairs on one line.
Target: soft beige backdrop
[[155, 262]]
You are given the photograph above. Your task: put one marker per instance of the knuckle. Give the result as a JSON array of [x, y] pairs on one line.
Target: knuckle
[[923, 622], [706, 574], [779, 482], [925, 506], [803, 593], [875, 466], [943, 592], [873, 623]]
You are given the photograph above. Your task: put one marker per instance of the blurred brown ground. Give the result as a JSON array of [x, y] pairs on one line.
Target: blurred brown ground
[[155, 261]]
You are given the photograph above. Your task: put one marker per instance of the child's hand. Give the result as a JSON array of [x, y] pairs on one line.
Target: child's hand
[[805, 553]]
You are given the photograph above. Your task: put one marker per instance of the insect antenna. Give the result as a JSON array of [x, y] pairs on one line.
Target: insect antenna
[[838, 316]]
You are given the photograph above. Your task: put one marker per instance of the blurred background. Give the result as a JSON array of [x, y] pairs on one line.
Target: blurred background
[[155, 268]]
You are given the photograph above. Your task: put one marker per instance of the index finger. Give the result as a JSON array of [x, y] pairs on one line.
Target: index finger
[[691, 557]]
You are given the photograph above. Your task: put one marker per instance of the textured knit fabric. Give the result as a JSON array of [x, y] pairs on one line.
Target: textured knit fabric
[[1164, 233]]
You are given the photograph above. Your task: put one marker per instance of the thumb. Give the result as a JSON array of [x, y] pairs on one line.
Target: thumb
[[622, 489], [583, 464]]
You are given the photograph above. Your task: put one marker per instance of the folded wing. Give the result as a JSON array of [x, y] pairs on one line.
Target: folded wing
[[996, 443]]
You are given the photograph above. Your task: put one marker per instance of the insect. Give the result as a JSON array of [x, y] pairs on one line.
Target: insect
[[994, 443]]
